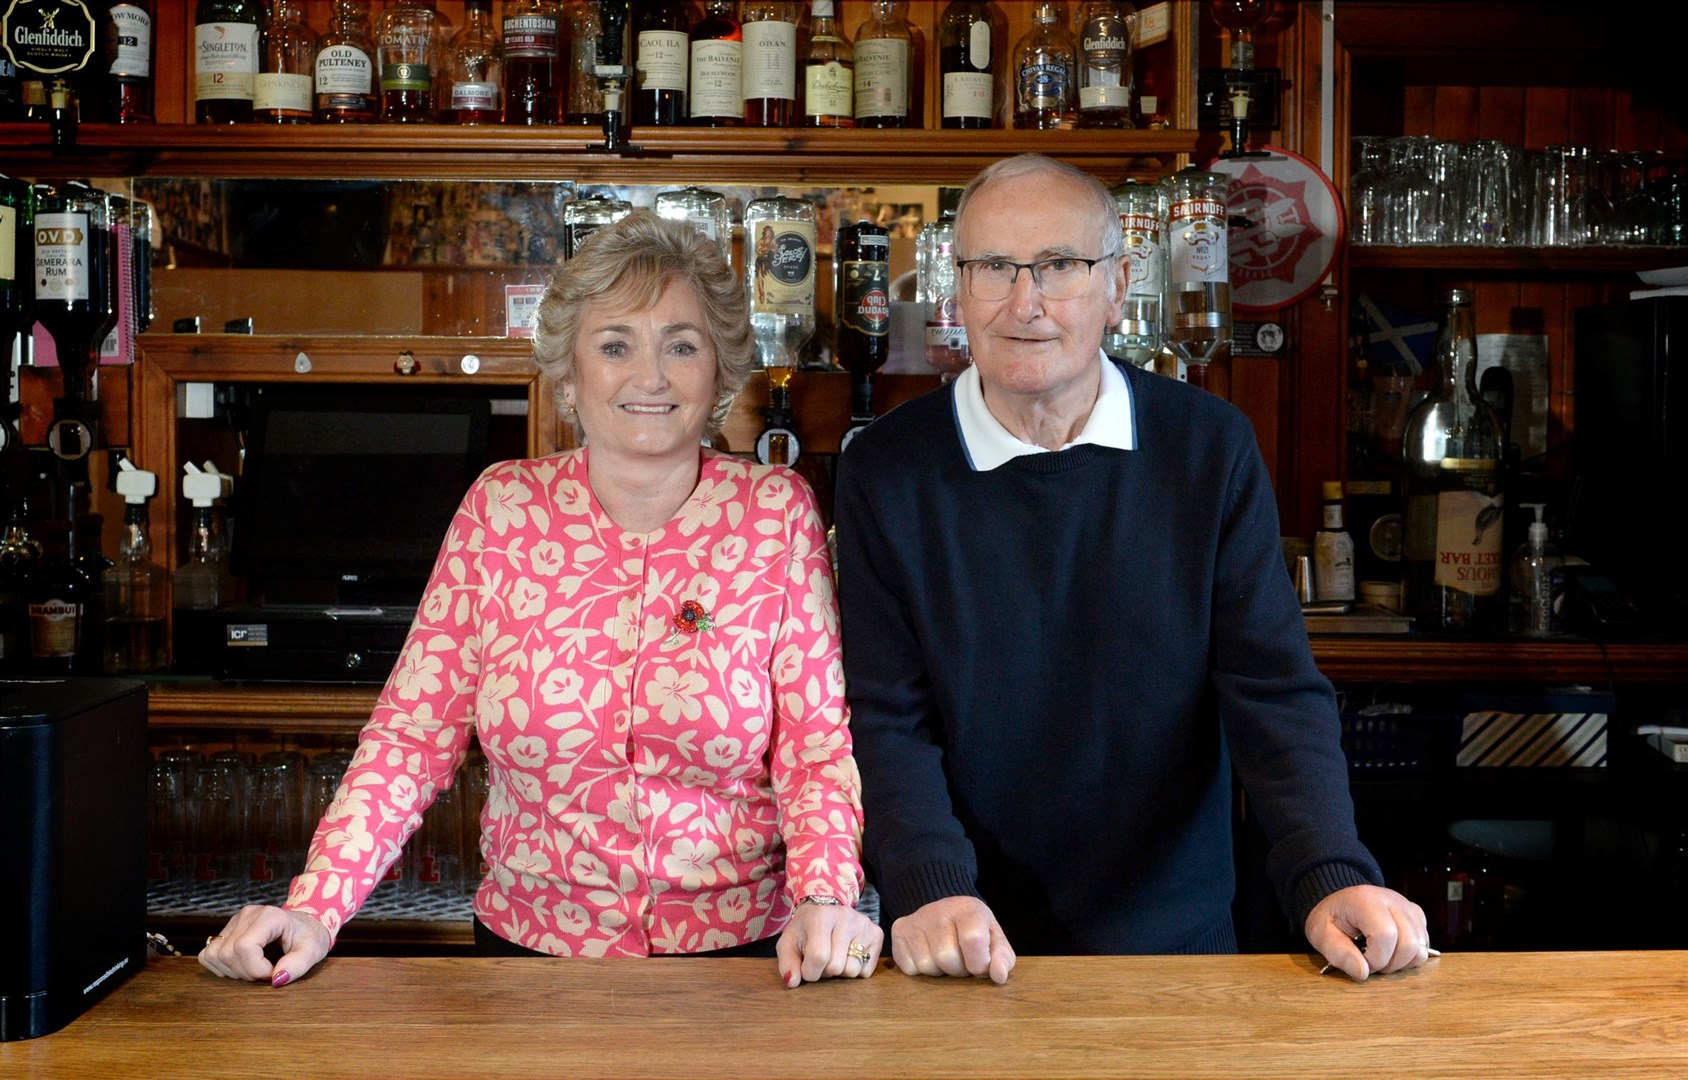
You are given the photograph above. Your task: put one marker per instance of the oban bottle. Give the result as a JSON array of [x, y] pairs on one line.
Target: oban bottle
[[969, 57], [660, 62], [829, 72], [225, 61], [1451, 542], [884, 46], [345, 67], [716, 68], [770, 63], [284, 92]]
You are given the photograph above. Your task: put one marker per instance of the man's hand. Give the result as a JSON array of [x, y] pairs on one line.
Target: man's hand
[[1395, 932], [957, 935]]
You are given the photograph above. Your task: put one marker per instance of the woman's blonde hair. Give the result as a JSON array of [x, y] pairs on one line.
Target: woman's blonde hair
[[633, 260]]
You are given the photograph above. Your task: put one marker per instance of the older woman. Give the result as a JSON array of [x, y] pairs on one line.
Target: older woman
[[643, 635]]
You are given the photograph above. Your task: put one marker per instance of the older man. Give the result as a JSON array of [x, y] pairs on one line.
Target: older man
[[1066, 621]]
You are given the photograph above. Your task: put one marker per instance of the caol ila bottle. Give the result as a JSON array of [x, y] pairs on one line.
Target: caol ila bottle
[[861, 255], [660, 59], [1451, 540], [225, 60]]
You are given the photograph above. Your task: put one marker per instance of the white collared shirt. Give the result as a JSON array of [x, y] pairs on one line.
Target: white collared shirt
[[988, 444]]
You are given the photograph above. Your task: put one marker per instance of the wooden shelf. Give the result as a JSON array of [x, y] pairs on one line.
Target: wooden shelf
[[304, 708], [1413, 659], [666, 155], [1617, 261]]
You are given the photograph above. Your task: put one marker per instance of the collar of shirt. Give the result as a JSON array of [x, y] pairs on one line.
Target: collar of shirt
[[988, 444]]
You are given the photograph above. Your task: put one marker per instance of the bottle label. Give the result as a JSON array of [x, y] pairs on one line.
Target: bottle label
[[979, 45], [865, 305], [716, 74], [770, 60], [49, 37], [412, 77], [1043, 85], [1101, 96], [882, 77], [785, 268], [9, 221], [130, 48], [53, 626], [829, 88], [61, 257], [474, 96], [344, 69], [530, 37], [225, 61], [273, 92], [967, 95], [1143, 254], [661, 60], [1333, 517], [1198, 241], [1468, 527]]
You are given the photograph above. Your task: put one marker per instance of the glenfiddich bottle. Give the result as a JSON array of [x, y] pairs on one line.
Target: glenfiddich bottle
[[829, 73], [284, 92], [660, 60], [48, 40], [717, 68], [1104, 64], [1451, 541], [127, 33], [225, 60], [884, 48], [345, 67]]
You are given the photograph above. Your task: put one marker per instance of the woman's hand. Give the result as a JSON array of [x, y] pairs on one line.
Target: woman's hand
[[823, 941], [238, 952]]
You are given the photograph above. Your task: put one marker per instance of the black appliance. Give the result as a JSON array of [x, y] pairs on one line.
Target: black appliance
[[312, 643], [1631, 450], [73, 815]]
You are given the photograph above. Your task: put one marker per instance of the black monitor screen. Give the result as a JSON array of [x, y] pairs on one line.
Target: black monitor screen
[[353, 488]]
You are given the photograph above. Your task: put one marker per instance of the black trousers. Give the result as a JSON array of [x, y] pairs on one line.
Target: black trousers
[[488, 943]]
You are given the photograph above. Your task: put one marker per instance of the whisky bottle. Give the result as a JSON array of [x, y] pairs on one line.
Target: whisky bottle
[[345, 67], [717, 68], [660, 61], [884, 52], [1043, 72], [583, 217], [969, 57], [127, 34], [770, 62], [407, 40], [829, 73], [473, 70], [1451, 452], [707, 211], [225, 60], [533, 66], [283, 92], [1104, 64]]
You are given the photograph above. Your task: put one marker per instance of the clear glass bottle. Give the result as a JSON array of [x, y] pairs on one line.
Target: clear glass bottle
[[1538, 582], [1138, 336], [717, 68], [770, 62], [284, 91], [936, 282], [884, 59], [473, 69], [1367, 206], [137, 589], [20, 558], [1333, 549], [583, 217], [829, 72], [585, 96], [225, 61], [408, 38], [345, 67], [535, 75], [1104, 64], [202, 584], [1198, 272], [970, 60], [1044, 59], [706, 210], [660, 61], [1451, 542], [779, 277]]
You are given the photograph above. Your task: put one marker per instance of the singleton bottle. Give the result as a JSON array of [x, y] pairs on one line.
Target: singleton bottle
[[137, 590], [533, 71], [829, 73], [660, 61], [1137, 337], [969, 61], [1104, 65], [1043, 72], [717, 68], [20, 558], [861, 260], [1451, 542], [225, 60], [128, 55], [473, 70], [780, 277], [345, 67], [284, 92], [884, 49], [770, 62]]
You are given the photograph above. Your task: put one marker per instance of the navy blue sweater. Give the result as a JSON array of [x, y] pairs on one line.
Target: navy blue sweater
[[1054, 666]]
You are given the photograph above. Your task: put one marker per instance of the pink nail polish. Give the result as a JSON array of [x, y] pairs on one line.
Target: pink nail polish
[[281, 979]]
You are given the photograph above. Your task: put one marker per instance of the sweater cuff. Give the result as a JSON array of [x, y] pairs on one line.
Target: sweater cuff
[[1320, 882], [924, 884]]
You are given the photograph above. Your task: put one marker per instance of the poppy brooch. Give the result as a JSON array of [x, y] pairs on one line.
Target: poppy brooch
[[691, 618]]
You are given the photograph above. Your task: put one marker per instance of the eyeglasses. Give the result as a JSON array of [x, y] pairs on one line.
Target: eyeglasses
[[1059, 278]]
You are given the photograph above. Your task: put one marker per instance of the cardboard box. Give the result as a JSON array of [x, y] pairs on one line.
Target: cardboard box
[[1546, 730]]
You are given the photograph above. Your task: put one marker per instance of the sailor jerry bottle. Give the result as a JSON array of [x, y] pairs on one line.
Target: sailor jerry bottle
[[779, 235], [1451, 543], [225, 60], [345, 67], [861, 259]]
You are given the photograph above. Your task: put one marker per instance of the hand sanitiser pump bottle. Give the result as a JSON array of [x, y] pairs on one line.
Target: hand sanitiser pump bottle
[[1537, 583]]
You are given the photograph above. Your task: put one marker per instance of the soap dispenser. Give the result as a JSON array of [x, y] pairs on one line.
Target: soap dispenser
[[1537, 582]]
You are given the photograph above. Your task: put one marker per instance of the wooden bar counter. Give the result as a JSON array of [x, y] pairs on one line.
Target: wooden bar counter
[[1517, 1014]]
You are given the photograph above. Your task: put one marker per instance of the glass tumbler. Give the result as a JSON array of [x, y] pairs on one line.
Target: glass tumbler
[[1367, 218], [169, 813], [271, 824], [218, 824]]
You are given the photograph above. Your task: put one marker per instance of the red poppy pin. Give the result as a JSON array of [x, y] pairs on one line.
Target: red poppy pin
[[691, 618]]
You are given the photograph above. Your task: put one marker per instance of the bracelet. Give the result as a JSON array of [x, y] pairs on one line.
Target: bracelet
[[818, 898]]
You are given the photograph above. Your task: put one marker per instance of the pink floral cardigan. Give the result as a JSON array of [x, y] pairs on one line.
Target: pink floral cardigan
[[652, 791]]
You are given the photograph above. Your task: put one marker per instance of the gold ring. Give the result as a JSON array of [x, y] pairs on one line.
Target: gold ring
[[860, 952], [213, 937]]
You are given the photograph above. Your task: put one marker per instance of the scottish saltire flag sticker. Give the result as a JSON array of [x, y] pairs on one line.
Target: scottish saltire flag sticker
[[1396, 337]]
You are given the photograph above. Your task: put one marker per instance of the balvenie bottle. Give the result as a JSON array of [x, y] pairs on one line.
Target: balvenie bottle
[[127, 31], [716, 68], [284, 92], [1451, 541], [225, 60], [660, 62], [884, 47], [345, 67], [969, 57], [770, 63]]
